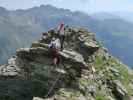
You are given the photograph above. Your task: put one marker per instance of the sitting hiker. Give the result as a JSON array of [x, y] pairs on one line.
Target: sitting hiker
[[55, 47]]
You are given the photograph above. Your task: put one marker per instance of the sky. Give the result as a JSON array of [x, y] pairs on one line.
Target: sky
[[88, 6]]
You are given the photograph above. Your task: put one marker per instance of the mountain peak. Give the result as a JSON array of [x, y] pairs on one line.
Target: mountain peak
[[86, 71], [46, 6], [2, 9]]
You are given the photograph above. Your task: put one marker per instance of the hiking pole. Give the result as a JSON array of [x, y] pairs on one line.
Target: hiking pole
[[51, 89]]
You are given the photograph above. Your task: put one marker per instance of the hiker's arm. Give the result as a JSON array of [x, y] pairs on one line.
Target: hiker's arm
[[50, 44]]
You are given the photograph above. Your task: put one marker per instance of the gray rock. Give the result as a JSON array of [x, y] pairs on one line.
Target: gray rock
[[131, 86], [74, 58], [9, 70], [81, 97], [119, 89], [37, 98], [91, 89], [9, 74], [32, 53], [114, 71], [132, 81], [131, 98], [37, 44], [91, 45]]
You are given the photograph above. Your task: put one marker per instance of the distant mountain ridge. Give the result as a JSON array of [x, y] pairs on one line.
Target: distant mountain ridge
[[117, 35], [128, 16], [19, 28], [104, 16], [125, 15]]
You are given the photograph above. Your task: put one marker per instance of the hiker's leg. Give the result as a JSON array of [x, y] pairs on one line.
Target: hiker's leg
[[58, 60], [55, 60], [62, 41]]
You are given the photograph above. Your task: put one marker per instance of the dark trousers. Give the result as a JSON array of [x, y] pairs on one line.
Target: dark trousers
[[62, 38]]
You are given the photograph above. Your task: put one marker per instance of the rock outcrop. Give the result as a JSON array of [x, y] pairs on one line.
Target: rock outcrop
[[86, 71]]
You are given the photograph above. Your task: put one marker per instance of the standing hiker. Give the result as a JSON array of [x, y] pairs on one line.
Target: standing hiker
[[55, 47], [61, 30]]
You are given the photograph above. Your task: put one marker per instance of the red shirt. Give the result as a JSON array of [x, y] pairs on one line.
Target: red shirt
[[61, 27]]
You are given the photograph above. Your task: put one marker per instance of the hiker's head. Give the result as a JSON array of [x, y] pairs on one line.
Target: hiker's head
[[43, 34], [53, 38]]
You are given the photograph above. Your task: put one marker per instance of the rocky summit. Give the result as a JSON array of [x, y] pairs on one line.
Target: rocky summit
[[86, 71]]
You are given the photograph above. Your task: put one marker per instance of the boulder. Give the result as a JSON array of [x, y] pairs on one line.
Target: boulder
[[9, 71], [37, 98], [119, 89], [32, 52], [131, 98], [114, 71], [92, 45], [91, 89], [38, 44], [73, 57]]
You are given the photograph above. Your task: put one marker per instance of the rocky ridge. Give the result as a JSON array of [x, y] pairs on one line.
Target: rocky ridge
[[86, 71]]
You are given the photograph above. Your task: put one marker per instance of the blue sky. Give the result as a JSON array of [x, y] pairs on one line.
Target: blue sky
[[89, 6]]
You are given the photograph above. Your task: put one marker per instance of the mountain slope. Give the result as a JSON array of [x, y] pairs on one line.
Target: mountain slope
[[104, 16], [86, 71], [117, 35]]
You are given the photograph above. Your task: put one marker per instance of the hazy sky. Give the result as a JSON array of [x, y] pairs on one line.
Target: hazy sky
[[88, 6]]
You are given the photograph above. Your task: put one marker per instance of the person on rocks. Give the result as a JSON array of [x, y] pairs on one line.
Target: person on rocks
[[55, 47], [61, 30]]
